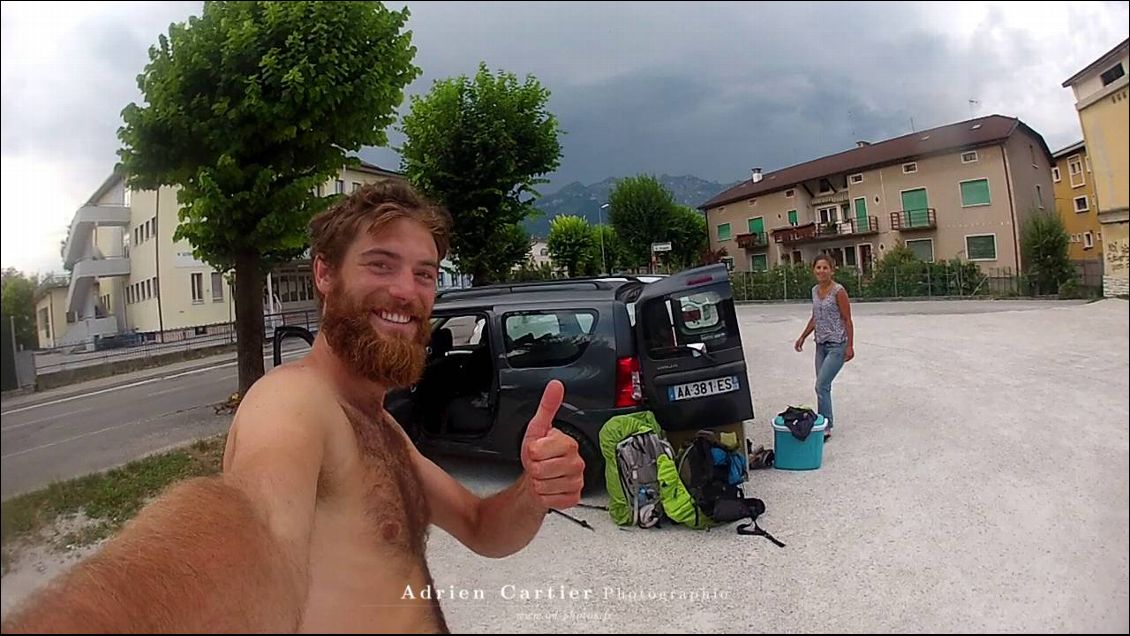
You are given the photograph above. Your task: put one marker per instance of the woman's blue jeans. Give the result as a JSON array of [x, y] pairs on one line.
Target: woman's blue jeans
[[829, 361]]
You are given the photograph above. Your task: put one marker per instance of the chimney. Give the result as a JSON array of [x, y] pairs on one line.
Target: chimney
[[861, 143], [756, 175]]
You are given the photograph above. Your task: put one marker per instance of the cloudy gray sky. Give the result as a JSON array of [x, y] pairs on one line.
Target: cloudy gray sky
[[709, 89]]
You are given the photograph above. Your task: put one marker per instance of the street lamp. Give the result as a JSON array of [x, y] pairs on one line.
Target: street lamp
[[600, 219]]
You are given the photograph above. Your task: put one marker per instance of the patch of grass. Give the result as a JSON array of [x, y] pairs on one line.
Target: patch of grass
[[109, 499]]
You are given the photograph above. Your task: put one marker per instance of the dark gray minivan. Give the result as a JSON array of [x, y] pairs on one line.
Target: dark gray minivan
[[619, 344]]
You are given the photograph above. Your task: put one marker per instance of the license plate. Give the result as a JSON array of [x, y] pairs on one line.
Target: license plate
[[703, 388]]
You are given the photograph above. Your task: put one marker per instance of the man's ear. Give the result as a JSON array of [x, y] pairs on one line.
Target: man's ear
[[323, 275]]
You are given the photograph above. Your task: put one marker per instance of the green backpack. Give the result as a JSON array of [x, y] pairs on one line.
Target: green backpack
[[634, 444]]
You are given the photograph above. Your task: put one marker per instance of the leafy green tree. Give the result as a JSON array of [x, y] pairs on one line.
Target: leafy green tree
[[478, 146], [247, 109], [641, 210], [1044, 247], [17, 300], [688, 237], [571, 241], [607, 251]]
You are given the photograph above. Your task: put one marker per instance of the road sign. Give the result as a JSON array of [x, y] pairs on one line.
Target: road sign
[[661, 247]]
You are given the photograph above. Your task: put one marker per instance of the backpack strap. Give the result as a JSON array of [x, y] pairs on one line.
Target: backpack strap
[[755, 507]]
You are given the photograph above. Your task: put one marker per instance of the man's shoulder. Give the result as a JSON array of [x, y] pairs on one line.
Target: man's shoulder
[[296, 379], [291, 391]]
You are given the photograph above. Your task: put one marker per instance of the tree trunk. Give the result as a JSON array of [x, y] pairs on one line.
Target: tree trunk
[[248, 320], [480, 276]]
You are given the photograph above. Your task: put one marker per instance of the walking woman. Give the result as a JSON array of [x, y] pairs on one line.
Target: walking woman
[[835, 334]]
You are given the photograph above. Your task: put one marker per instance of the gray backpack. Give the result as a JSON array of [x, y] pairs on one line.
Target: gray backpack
[[639, 476]]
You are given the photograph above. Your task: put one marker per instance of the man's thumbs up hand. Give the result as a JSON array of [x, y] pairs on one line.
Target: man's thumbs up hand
[[553, 465]]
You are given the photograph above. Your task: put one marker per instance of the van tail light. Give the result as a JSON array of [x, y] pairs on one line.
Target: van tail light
[[629, 392]]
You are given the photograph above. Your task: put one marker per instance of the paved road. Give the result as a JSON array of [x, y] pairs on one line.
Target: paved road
[[71, 433]]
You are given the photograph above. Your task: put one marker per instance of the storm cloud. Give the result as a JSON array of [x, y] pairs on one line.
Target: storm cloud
[[709, 89]]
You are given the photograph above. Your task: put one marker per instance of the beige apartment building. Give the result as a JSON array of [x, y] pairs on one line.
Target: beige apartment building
[[957, 191], [128, 275], [1102, 98]]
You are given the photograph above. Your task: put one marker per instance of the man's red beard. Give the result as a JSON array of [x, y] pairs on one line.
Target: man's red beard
[[389, 359]]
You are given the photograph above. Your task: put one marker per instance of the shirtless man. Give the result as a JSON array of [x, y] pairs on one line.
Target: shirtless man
[[318, 522]]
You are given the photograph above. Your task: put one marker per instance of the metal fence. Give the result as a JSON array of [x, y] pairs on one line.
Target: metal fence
[[148, 345], [916, 279]]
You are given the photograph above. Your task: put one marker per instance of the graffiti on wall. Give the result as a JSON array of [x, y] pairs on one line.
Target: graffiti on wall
[[1117, 255]]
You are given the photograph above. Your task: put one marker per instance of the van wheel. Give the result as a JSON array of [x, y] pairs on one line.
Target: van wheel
[[594, 461]]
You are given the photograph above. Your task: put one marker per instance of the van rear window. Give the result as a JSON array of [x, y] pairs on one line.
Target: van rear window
[[705, 316]]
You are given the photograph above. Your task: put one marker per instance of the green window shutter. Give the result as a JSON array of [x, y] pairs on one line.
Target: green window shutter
[[792, 217], [759, 263], [861, 211], [756, 226], [975, 192], [724, 233]]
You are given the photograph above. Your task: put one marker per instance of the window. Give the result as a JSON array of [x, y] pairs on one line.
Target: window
[[148, 288], [1088, 240], [546, 339], [759, 263], [466, 331], [826, 187], [910, 168], [339, 187], [724, 232], [1112, 74], [855, 178], [702, 316], [1055, 175], [43, 320], [1039, 196], [1075, 170], [728, 261], [969, 157], [356, 186], [793, 218], [790, 194], [155, 290], [975, 192], [923, 249], [830, 214], [200, 331], [849, 256], [981, 247], [1032, 153], [137, 235], [217, 287], [197, 287], [1081, 204]]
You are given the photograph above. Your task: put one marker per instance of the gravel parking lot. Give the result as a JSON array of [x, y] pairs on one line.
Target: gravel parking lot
[[977, 482]]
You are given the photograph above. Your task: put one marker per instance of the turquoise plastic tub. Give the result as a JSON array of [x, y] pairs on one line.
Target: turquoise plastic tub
[[789, 453]]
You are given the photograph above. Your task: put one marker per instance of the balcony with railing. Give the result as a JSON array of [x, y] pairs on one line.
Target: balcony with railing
[[753, 241], [910, 220], [856, 226]]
